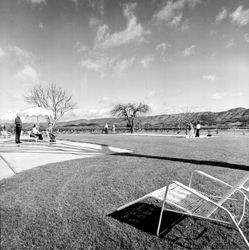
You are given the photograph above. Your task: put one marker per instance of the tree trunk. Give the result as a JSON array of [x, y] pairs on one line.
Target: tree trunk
[[132, 126], [132, 129]]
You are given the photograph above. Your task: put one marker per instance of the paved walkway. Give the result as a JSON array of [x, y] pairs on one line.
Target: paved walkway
[[15, 158]]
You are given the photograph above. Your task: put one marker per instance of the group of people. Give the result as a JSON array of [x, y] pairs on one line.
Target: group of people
[[106, 128], [193, 131], [34, 132]]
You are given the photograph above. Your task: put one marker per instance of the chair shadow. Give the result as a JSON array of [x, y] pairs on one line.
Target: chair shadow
[[179, 229], [192, 161], [145, 217]]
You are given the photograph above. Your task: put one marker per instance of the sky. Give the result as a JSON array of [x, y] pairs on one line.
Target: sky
[[176, 56]]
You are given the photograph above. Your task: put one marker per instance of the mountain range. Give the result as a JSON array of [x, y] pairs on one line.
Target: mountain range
[[238, 117]]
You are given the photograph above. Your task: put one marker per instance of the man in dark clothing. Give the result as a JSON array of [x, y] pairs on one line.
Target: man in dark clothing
[[18, 123], [198, 127]]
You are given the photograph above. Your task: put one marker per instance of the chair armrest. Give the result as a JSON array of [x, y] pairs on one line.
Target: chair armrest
[[240, 190], [208, 176]]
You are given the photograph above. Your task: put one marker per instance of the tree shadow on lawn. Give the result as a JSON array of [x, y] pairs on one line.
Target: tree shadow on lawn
[[192, 161]]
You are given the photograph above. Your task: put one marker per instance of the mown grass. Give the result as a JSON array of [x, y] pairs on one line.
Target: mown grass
[[68, 205]]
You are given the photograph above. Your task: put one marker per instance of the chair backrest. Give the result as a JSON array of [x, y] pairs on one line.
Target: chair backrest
[[229, 193]]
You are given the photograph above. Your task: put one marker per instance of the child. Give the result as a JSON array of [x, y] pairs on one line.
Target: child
[[50, 133]]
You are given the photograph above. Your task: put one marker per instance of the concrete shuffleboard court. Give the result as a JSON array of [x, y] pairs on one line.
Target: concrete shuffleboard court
[[15, 158]]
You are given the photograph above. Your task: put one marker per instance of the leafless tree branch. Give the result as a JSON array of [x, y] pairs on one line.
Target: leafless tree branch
[[51, 97], [130, 111]]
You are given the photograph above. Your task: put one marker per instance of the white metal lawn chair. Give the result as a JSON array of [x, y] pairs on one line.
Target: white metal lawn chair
[[5, 134], [194, 203]]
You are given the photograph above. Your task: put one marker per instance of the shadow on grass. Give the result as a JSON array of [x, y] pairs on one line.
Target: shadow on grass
[[192, 161], [181, 230], [145, 217]]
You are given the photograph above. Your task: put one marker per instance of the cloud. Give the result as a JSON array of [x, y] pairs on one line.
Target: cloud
[[101, 34], [22, 55], [105, 105], [222, 15], [146, 61], [103, 64], [169, 11], [162, 48], [76, 114], [189, 51], [236, 94], [172, 12], [166, 108], [209, 77], [101, 112], [41, 26], [246, 38], [2, 53], [76, 2], [84, 83], [176, 20], [229, 44], [185, 26], [94, 22], [96, 5], [80, 47], [193, 3], [122, 65], [240, 17], [151, 94], [36, 1], [134, 31], [107, 102], [27, 75], [98, 63], [98, 113], [93, 64], [219, 95], [104, 99]]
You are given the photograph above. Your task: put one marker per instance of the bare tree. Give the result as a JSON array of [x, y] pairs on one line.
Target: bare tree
[[184, 118], [51, 97], [129, 112]]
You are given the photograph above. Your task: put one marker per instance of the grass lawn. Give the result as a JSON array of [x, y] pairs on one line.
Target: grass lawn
[[69, 205]]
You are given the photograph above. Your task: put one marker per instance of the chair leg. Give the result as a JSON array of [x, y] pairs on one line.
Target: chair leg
[[240, 231], [161, 214], [160, 219]]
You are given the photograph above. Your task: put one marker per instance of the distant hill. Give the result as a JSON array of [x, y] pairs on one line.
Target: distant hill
[[237, 117], [230, 118]]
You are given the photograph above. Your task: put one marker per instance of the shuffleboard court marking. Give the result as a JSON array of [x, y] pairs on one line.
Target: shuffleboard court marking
[[28, 155]]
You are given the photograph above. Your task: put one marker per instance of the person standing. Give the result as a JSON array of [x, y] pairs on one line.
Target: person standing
[[192, 131], [113, 128], [50, 132], [106, 128], [18, 124], [198, 128], [189, 130]]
